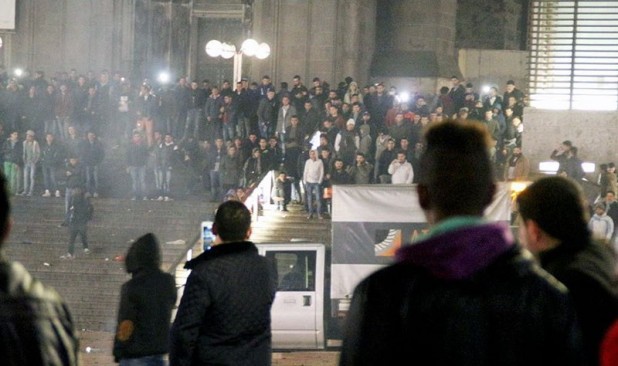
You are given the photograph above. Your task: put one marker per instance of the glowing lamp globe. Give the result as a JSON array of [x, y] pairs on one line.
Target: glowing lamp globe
[[250, 47], [163, 77], [228, 50], [263, 51], [214, 48]]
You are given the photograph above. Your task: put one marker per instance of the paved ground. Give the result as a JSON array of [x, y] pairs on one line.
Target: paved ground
[[100, 346]]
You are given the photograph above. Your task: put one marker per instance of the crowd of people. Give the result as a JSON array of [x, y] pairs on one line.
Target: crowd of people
[[228, 136], [466, 293]]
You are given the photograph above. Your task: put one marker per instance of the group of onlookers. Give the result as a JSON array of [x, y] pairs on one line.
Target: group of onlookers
[[365, 127]]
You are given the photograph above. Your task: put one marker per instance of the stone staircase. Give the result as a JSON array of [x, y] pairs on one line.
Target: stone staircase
[[91, 283]]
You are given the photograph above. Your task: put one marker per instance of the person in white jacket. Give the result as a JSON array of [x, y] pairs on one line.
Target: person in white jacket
[[313, 176], [31, 156], [600, 224], [401, 170]]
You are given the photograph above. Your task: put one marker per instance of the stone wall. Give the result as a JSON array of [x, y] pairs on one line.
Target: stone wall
[[494, 67], [59, 35], [322, 38], [136, 37], [594, 133]]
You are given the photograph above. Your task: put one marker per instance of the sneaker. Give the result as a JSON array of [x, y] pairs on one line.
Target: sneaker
[[166, 199], [57, 193], [47, 194], [310, 217], [95, 195], [86, 251], [160, 198], [67, 256], [133, 198], [145, 199]]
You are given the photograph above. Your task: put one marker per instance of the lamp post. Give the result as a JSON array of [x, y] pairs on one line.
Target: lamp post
[[250, 47]]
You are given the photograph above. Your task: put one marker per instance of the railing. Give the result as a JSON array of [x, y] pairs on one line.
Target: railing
[[255, 201], [260, 195]]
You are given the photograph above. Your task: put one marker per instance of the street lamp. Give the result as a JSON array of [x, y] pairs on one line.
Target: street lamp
[[250, 47]]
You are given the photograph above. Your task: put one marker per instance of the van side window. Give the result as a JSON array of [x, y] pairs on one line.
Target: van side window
[[296, 269]]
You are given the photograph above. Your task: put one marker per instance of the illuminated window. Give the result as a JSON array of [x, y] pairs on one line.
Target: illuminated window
[[574, 55]]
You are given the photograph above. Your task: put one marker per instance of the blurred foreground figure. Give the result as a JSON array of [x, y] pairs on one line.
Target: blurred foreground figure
[[35, 324], [466, 294], [554, 227], [224, 314], [146, 303]]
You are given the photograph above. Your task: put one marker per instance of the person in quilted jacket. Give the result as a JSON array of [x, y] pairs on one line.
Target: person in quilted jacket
[[224, 314]]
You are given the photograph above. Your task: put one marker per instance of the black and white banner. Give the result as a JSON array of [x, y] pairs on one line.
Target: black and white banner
[[370, 222]]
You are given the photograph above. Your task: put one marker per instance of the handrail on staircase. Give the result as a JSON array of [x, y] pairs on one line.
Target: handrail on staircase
[[259, 195]]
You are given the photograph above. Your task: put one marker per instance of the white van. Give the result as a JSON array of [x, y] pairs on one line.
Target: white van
[[298, 310]]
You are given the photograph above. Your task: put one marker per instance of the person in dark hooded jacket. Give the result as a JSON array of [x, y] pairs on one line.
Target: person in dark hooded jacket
[[146, 304], [466, 294]]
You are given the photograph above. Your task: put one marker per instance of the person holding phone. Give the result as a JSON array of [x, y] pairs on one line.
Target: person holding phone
[[224, 314]]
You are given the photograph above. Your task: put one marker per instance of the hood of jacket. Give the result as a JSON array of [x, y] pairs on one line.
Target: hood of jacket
[[459, 253], [145, 253]]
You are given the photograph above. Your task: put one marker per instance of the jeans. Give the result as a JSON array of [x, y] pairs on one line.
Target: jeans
[[74, 230], [264, 129], [229, 130], [49, 178], [63, 125], [313, 192], [215, 185], [242, 126], [156, 360], [127, 124], [29, 174], [179, 124], [138, 179], [163, 178], [92, 179], [12, 172], [68, 196], [193, 120]]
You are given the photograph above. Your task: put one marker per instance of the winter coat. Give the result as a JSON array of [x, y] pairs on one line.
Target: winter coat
[[52, 155], [166, 155], [137, 155], [146, 303], [80, 211], [74, 175], [224, 314], [36, 327], [32, 152], [13, 152], [91, 154], [467, 296], [588, 273], [231, 170], [267, 111]]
